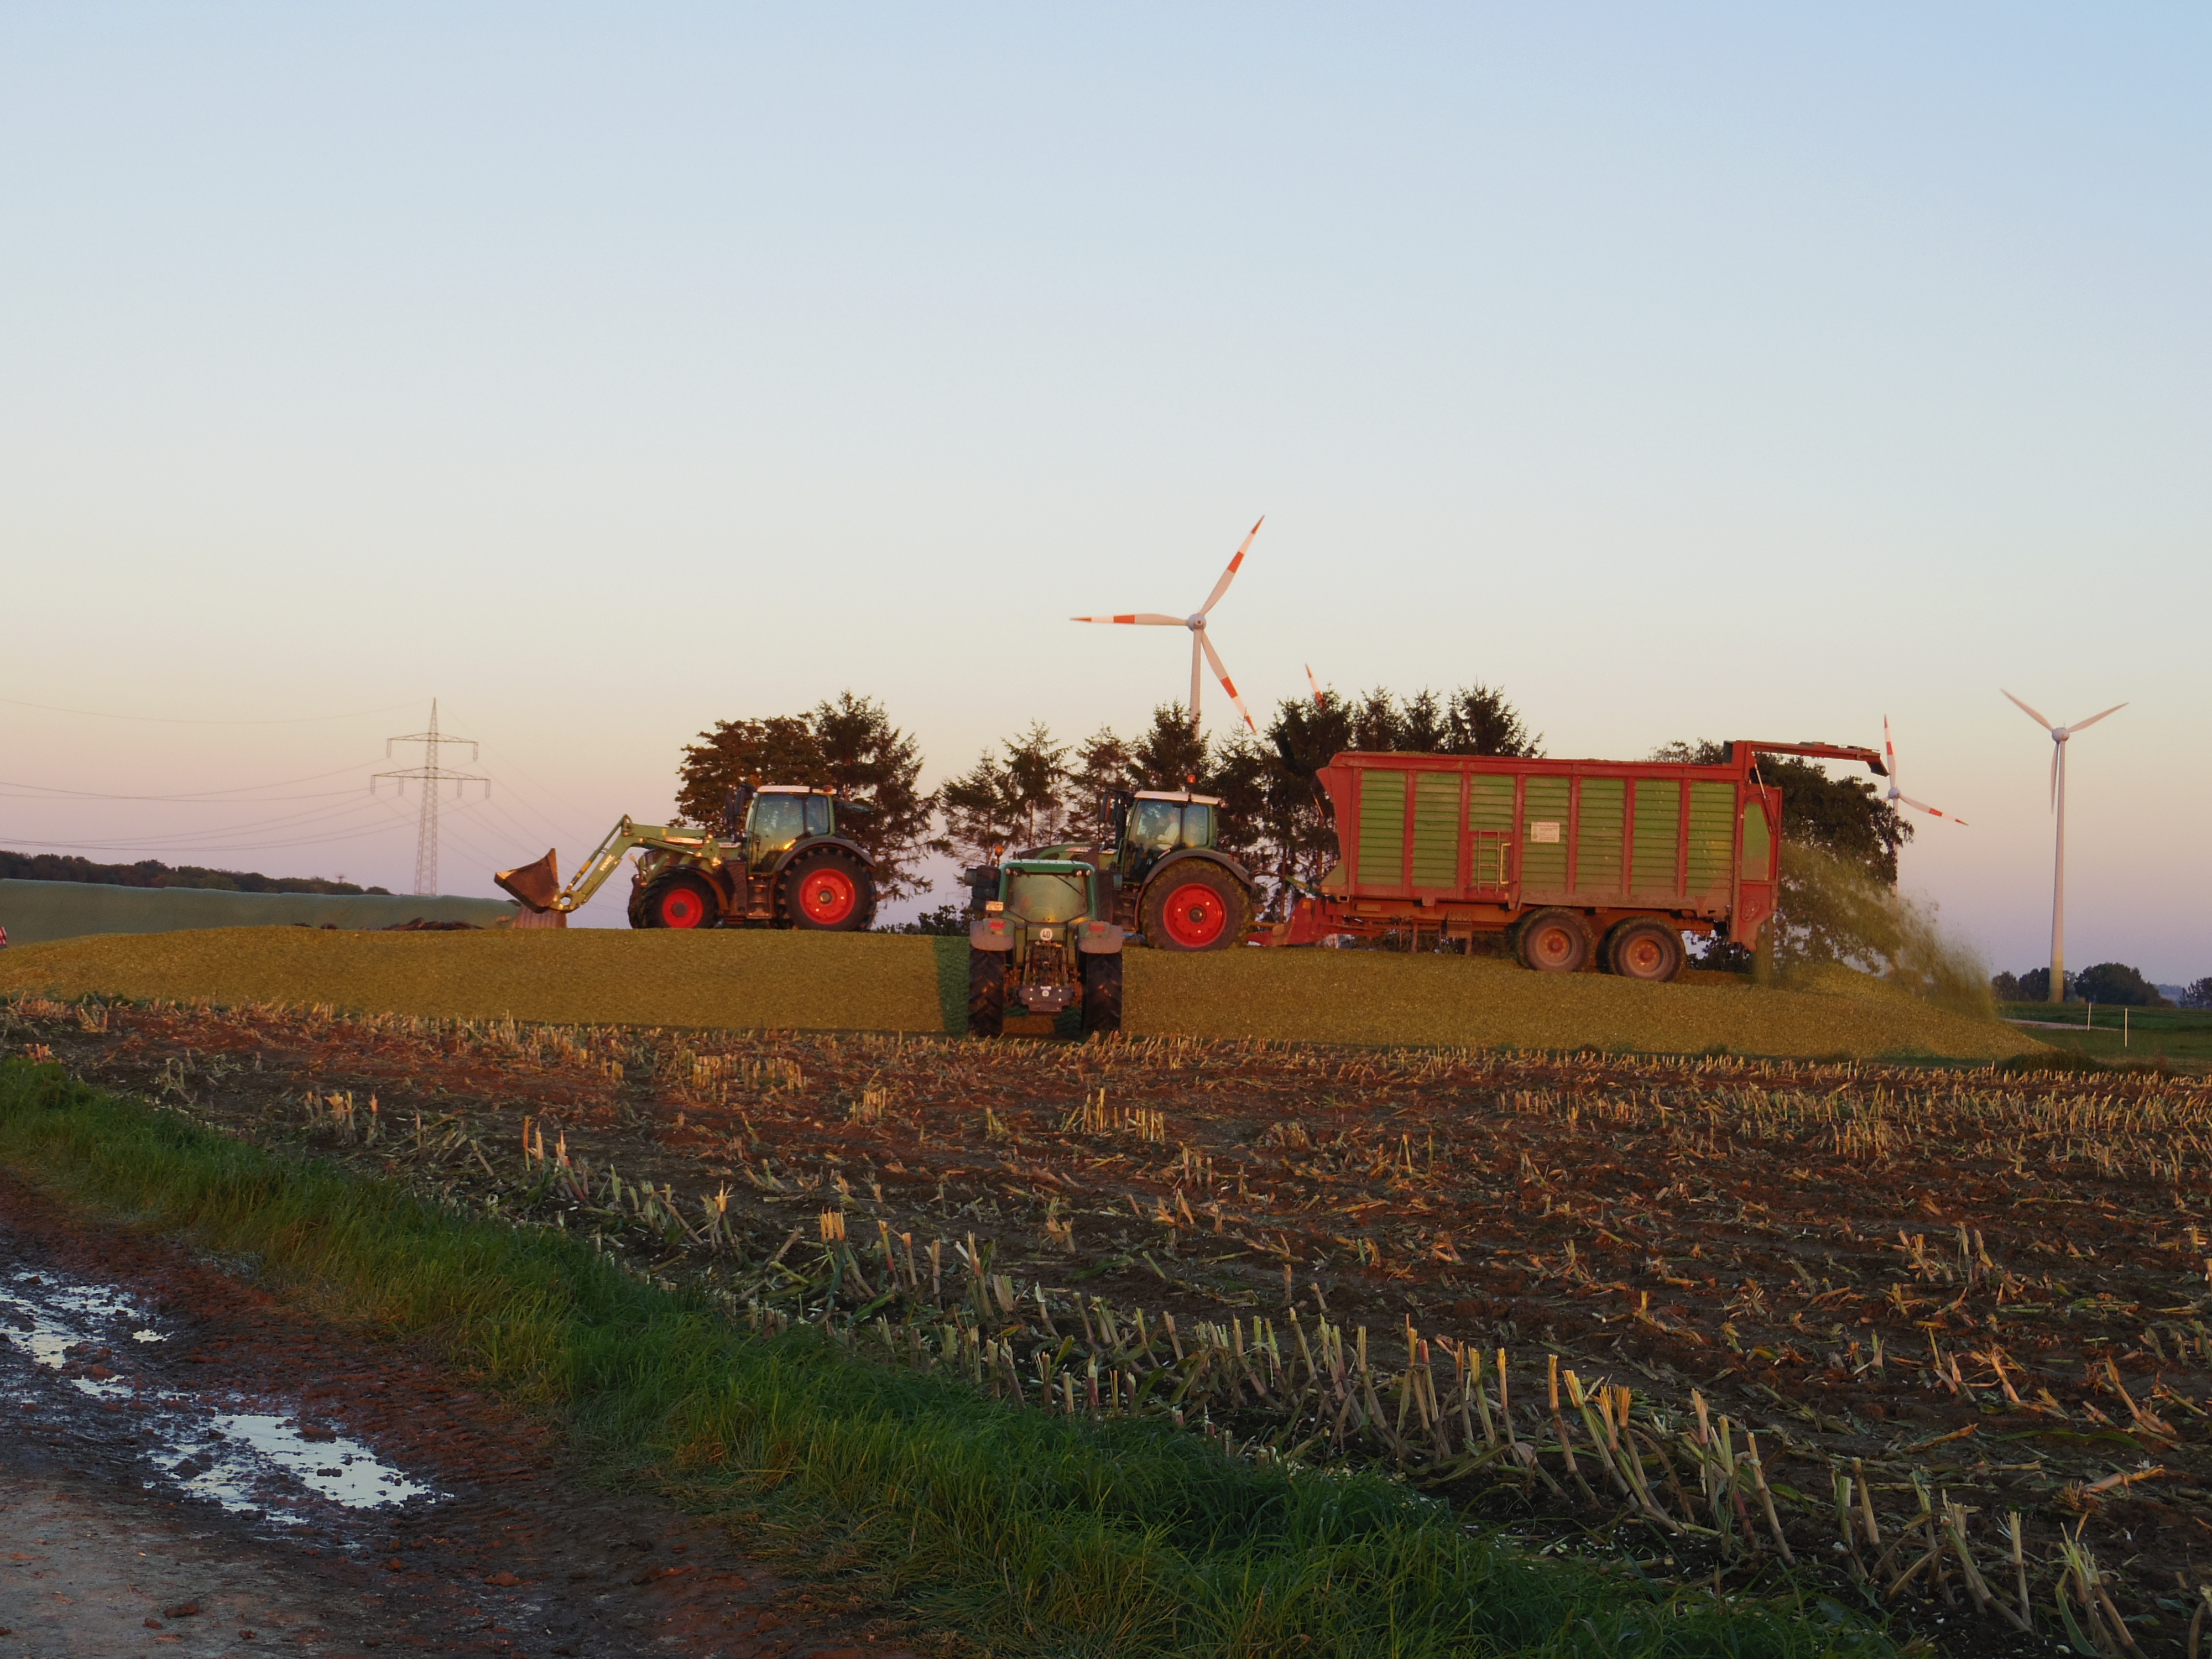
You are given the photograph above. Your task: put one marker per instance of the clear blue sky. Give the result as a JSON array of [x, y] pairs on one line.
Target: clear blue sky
[[1686, 372]]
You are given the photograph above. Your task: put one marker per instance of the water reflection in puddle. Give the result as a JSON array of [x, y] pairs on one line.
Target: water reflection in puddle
[[250, 1462]]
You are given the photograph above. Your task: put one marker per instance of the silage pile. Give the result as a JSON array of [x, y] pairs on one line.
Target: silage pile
[[751, 980], [1838, 925]]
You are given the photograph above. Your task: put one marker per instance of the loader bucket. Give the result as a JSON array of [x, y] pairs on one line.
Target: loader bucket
[[536, 884]]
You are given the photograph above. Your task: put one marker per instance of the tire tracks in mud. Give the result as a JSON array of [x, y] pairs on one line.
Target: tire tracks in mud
[[164, 1424]]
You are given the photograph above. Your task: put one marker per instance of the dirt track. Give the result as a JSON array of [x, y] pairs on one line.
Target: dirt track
[[138, 1476]]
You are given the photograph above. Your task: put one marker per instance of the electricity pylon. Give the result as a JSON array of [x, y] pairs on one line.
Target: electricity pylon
[[431, 774]]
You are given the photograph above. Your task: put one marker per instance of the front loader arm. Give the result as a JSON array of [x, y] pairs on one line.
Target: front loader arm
[[593, 874]]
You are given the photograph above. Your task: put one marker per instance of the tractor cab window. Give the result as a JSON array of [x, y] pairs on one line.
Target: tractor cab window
[[1046, 898], [1157, 825], [1197, 825], [777, 821], [817, 815]]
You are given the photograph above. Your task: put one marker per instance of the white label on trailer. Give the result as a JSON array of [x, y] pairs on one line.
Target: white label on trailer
[[1543, 830]]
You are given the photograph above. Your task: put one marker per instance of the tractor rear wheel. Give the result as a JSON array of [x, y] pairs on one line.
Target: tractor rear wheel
[[1554, 942], [681, 900], [1102, 993], [1646, 950], [987, 993], [827, 892], [1195, 907]]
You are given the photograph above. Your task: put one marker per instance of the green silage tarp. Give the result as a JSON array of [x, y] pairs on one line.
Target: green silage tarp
[[34, 912]]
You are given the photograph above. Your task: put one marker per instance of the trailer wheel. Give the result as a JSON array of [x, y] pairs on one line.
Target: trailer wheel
[[827, 892], [1102, 993], [987, 993], [1197, 907], [1646, 950], [681, 901], [1554, 942]]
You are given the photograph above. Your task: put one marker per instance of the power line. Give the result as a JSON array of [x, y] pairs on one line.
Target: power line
[[431, 775], [171, 719]]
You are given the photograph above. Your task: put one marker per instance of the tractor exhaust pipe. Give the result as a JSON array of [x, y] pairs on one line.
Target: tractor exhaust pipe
[[536, 884]]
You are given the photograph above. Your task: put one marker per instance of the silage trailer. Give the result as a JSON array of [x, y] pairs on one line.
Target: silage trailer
[[1578, 862]]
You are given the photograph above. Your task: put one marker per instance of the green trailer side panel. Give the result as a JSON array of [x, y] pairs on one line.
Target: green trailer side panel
[[1544, 836], [1712, 824], [1382, 829], [1757, 843], [1658, 826], [1490, 816], [1597, 837], [1436, 829]]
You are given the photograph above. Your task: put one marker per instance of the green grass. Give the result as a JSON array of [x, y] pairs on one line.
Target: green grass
[[1028, 1534], [2177, 1034], [754, 980]]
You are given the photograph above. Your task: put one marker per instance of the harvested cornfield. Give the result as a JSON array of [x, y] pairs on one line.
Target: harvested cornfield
[[1962, 1312], [759, 981]]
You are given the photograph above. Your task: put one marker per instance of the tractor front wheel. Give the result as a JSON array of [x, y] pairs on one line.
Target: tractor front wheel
[[1554, 942], [987, 993], [680, 900], [1197, 907], [827, 892], [1102, 993]]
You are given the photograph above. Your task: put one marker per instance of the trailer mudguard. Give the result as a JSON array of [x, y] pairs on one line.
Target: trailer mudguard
[[991, 934]]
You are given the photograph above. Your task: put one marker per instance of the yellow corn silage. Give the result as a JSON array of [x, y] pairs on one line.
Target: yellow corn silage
[[766, 980]]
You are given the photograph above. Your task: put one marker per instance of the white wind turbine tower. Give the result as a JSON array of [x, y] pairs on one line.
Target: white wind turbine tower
[[2058, 737], [1199, 643]]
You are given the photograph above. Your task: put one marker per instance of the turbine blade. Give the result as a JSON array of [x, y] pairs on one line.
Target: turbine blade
[[1229, 685], [1230, 574], [2030, 713], [1889, 748], [2054, 777], [2093, 718], [1316, 685], [1142, 618], [1932, 811]]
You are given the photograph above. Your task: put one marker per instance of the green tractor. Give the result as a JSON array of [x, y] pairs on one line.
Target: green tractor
[[779, 862], [1167, 884], [1039, 935]]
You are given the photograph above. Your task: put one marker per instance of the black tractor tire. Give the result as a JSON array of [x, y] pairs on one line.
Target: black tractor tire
[[1102, 993], [828, 891], [1195, 906], [1644, 948], [1553, 942], [987, 993], [679, 899]]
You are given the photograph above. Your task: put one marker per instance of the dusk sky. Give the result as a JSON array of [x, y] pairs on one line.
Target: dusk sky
[[1694, 372]]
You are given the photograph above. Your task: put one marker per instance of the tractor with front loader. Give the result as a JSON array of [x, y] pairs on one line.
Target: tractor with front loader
[[1039, 936], [779, 862]]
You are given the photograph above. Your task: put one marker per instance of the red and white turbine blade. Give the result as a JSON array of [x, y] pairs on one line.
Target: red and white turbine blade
[[1932, 811], [2030, 713], [1889, 749], [1142, 618], [1316, 685], [1230, 574], [1229, 685], [2093, 718]]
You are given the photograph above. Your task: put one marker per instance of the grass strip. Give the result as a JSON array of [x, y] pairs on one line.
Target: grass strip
[[1027, 1533]]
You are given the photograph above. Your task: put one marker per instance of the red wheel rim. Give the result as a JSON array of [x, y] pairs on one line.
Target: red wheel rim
[[683, 907], [1194, 915], [1553, 946], [1643, 957], [828, 895]]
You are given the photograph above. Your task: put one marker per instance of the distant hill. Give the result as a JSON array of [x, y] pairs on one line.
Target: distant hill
[[152, 872]]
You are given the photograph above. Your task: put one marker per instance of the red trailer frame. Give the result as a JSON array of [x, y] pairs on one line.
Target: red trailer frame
[[1463, 845]]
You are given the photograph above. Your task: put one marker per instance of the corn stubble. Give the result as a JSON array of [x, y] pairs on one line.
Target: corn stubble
[[1932, 1340]]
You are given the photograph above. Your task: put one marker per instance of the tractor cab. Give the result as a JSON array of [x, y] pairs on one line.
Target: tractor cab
[[768, 820], [1146, 825]]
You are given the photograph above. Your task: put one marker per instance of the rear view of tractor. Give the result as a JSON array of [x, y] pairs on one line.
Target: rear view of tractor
[[778, 862], [1039, 936]]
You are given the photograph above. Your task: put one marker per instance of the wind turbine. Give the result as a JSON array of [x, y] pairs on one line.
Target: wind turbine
[[1196, 622], [1896, 796], [2058, 737]]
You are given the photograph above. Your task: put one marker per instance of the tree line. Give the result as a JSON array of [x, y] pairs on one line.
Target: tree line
[[152, 872]]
